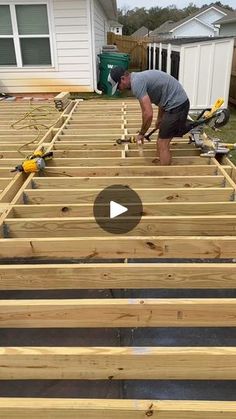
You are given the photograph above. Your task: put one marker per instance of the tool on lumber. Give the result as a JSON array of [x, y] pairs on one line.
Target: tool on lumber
[[35, 162], [132, 139]]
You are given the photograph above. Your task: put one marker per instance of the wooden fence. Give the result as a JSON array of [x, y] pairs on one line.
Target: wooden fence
[[232, 91], [136, 47]]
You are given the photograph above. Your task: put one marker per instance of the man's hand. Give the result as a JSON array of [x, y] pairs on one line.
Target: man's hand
[[140, 139]]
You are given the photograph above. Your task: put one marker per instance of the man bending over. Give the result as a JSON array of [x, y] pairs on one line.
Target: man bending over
[[154, 86]]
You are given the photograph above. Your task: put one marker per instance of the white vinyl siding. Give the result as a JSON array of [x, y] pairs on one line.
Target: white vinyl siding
[[100, 27], [193, 28], [210, 16], [68, 22], [72, 38]]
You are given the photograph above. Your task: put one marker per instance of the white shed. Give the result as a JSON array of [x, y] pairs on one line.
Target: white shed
[[202, 67], [52, 45]]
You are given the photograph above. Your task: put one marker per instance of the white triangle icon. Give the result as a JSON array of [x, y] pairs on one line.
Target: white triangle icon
[[116, 209]]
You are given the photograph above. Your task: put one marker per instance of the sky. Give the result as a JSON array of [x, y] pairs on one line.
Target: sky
[[131, 4]]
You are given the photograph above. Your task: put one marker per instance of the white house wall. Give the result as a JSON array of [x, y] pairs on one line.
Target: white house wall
[[101, 27], [210, 16], [192, 28], [71, 52], [205, 70]]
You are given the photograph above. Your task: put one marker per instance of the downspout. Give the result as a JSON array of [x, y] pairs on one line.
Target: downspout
[[94, 67]]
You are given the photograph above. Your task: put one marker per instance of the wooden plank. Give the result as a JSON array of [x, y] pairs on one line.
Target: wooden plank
[[39, 408], [151, 195], [202, 170], [71, 153], [118, 276], [112, 161], [158, 209], [3, 208], [4, 182], [155, 226], [5, 172], [133, 182], [87, 153], [208, 312], [174, 152], [202, 363], [13, 187], [120, 247]]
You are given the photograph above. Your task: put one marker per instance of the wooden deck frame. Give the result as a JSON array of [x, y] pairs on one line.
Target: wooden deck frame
[[169, 229]]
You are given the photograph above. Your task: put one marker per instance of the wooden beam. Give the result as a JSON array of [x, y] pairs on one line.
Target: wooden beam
[[174, 152], [153, 170], [112, 363], [132, 182], [208, 312], [39, 408], [111, 161], [118, 276], [155, 226], [147, 195], [120, 247], [158, 209]]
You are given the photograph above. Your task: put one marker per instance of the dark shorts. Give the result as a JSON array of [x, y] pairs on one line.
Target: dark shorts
[[173, 121]]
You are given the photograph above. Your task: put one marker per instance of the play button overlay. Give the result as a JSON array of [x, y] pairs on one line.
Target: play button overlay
[[117, 209]]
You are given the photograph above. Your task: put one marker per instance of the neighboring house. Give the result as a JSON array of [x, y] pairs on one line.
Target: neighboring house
[[52, 45], [200, 23], [227, 25], [116, 27], [163, 30], [141, 32]]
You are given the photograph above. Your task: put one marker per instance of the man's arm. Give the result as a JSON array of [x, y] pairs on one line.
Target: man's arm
[[147, 114]]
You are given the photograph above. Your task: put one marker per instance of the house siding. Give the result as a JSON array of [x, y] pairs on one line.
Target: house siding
[[101, 27], [193, 28], [228, 29], [71, 44], [210, 16]]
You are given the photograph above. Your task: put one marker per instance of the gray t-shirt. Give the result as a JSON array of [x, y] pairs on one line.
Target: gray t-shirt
[[163, 89]]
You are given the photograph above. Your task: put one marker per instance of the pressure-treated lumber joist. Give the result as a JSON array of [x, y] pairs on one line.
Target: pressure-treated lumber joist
[[156, 226], [111, 363], [158, 209], [118, 276], [132, 182], [38, 408], [147, 195], [111, 161], [120, 247], [127, 171], [118, 313]]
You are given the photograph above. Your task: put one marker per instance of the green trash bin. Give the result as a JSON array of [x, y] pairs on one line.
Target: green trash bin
[[108, 60]]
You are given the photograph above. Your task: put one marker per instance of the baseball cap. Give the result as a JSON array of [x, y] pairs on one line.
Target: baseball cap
[[114, 77]]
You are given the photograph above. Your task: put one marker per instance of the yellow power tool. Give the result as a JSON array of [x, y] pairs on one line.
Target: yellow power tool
[[34, 163]]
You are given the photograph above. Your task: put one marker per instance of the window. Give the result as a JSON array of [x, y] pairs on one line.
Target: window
[[24, 35]]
